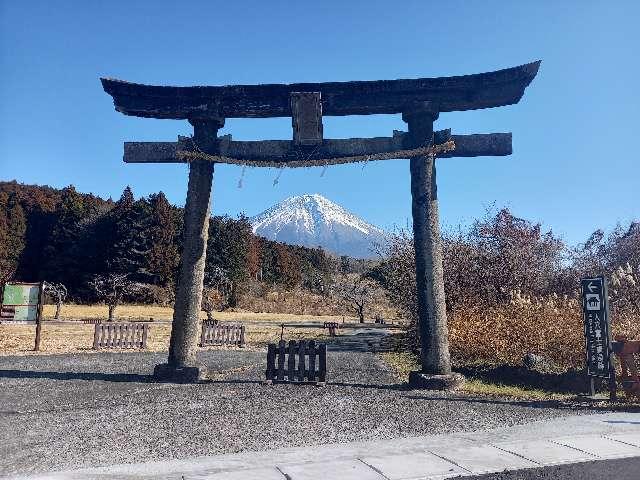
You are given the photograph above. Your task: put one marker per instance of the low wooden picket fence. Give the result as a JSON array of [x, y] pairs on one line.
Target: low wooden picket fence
[[214, 333], [628, 353], [303, 361], [120, 335], [332, 326]]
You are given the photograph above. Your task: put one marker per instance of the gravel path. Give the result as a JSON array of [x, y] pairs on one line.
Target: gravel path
[[71, 411]]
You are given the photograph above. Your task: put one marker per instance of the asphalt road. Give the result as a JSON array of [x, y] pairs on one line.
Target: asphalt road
[[619, 469]]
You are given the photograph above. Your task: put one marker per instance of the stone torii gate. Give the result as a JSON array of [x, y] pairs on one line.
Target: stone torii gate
[[420, 102]]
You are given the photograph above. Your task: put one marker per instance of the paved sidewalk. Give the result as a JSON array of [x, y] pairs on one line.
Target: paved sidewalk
[[549, 442]]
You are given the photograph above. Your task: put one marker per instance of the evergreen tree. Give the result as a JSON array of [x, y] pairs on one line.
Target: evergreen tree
[[162, 256], [13, 226], [130, 240], [69, 213], [228, 246], [39, 205]]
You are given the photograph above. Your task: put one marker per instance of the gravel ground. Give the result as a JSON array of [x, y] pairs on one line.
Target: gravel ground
[[71, 411]]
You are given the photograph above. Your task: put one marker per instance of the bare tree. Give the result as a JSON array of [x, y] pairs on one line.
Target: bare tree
[[6, 274], [112, 288], [355, 291], [58, 292], [216, 292], [625, 289]]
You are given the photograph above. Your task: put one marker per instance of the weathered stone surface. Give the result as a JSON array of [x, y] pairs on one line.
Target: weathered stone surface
[[165, 372], [186, 316], [432, 313], [538, 363], [465, 92], [451, 381]]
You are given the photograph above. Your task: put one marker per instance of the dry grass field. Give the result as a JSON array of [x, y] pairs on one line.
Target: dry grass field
[[75, 336], [128, 313]]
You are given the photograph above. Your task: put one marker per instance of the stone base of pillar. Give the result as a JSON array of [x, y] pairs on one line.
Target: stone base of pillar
[[428, 381], [169, 373]]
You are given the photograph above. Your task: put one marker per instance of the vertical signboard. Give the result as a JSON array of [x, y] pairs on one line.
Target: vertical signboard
[[22, 303], [597, 330]]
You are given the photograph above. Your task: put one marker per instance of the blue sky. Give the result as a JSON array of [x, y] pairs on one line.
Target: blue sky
[[574, 167]]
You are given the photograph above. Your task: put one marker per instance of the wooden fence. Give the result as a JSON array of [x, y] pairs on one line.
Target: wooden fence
[[214, 333], [332, 326], [303, 361], [120, 335], [628, 353]]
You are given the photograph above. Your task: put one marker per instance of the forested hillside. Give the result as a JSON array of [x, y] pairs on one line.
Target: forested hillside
[[69, 237]]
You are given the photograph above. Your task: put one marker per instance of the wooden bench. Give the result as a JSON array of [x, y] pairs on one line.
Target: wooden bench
[[332, 326], [120, 335], [214, 333], [311, 364], [628, 353]]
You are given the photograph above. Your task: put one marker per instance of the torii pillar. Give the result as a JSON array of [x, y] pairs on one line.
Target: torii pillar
[[432, 312], [182, 365]]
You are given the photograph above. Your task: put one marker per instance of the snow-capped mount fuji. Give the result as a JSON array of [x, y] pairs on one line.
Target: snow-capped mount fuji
[[312, 221]]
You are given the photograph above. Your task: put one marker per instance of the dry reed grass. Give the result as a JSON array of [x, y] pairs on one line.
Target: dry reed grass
[[504, 335]]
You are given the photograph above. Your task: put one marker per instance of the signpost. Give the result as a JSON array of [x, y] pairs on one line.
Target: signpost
[[22, 304], [597, 332]]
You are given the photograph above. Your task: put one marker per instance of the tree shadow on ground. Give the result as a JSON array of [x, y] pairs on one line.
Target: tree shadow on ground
[[574, 404], [369, 342], [383, 386], [569, 382], [91, 376], [106, 377]]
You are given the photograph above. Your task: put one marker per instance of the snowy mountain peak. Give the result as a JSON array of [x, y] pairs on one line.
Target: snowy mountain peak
[[313, 220]]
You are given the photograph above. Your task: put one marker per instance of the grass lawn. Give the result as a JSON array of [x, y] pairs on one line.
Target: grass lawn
[[403, 363]]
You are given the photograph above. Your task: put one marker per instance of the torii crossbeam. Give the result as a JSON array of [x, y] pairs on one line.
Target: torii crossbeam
[[418, 100]]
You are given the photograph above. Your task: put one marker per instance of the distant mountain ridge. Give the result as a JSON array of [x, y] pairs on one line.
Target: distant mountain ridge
[[312, 220]]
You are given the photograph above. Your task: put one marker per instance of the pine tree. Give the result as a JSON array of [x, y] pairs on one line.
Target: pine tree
[[57, 259], [228, 245], [39, 205], [130, 239], [162, 256], [13, 226]]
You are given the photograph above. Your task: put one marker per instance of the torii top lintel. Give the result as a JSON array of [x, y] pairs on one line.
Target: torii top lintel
[[467, 92]]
